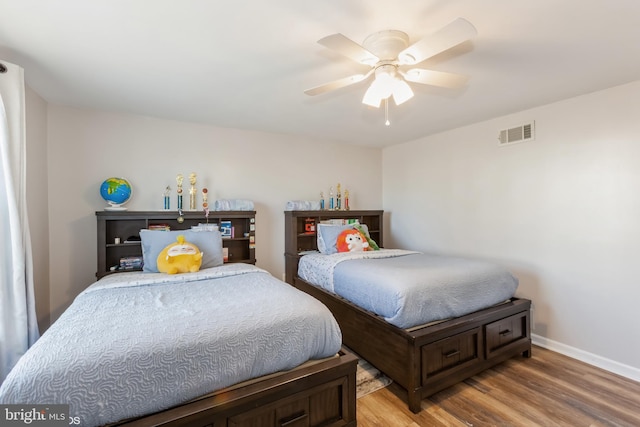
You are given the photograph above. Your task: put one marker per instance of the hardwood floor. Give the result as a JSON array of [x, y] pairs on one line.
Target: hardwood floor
[[548, 389]]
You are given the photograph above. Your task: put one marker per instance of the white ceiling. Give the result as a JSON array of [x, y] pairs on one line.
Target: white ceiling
[[245, 63]]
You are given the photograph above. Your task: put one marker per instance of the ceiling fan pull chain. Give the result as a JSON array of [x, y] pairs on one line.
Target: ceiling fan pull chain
[[386, 112]]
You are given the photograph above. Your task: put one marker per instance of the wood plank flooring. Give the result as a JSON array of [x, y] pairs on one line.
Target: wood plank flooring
[[548, 389]]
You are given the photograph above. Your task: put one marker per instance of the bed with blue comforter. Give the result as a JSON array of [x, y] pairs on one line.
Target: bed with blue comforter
[[137, 343], [409, 288], [428, 321]]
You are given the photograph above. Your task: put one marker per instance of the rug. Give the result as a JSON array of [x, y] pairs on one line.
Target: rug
[[369, 379]]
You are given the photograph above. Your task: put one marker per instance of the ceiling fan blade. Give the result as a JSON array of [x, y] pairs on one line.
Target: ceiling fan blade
[[450, 35], [435, 78], [349, 48], [337, 84]]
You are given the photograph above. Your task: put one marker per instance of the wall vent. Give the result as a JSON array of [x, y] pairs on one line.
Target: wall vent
[[517, 134]]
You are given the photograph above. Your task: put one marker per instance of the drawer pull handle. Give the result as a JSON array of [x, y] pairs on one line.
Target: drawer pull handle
[[505, 332], [293, 420], [451, 353]]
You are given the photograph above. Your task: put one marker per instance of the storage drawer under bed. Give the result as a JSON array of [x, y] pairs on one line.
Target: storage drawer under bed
[[503, 332], [450, 353]]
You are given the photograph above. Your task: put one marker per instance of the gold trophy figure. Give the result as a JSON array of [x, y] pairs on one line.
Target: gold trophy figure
[[338, 198], [192, 192]]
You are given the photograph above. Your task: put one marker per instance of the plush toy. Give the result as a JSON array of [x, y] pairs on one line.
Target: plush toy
[[352, 241], [373, 246], [180, 257]]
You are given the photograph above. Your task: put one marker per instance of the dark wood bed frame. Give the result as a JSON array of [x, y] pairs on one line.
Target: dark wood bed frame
[[319, 394], [423, 360], [314, 394]]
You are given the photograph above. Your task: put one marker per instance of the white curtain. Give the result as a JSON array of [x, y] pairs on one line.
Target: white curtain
[[18, 323]]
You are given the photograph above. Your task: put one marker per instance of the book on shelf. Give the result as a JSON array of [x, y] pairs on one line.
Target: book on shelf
[[130, 263], [340, 221], [225, 229], [161, 227], [205, 227]]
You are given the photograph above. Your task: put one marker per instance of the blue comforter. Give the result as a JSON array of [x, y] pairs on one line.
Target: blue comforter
[[409, 288], [137, 343]]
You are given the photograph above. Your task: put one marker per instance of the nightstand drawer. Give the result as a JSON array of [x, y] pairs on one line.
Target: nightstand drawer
[[450, 353], [503, 332]]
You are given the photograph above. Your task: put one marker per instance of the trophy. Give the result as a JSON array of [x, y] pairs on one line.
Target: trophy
[[322, 200], [346, 200], [331, 198], [167, 198], [192, 192], [205, 203], [338, 198], [179, 179]]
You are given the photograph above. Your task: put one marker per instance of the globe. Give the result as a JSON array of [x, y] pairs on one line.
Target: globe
[[116, 191]]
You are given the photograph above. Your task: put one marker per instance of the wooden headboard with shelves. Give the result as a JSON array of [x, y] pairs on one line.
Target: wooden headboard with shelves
[[300, 236], [240, 246]]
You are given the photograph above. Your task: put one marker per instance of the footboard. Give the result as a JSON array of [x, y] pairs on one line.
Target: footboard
[[429, 359], [455, 350], [322, 394]]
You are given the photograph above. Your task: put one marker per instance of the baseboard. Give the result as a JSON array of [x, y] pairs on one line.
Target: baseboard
[[586, 357]]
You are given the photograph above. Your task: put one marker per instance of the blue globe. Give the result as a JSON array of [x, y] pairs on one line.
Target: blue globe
[[116, 191]]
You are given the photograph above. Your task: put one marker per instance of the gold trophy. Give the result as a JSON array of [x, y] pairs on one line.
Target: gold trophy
[[192, 192], [179, 180]]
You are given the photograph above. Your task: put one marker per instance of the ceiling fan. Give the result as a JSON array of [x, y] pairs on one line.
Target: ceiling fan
[[390, 57]]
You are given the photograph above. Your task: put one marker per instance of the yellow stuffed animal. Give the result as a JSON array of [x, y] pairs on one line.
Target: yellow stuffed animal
[[180, 257]]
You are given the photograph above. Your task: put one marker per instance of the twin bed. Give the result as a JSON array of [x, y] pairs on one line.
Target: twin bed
[[233, 346], [426, 321], [229, 345]]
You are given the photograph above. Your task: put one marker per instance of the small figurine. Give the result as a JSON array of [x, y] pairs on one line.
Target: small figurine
[[179, 179], [192, 192], [322, 200], [338, 198], [167, 198], [346, 200]]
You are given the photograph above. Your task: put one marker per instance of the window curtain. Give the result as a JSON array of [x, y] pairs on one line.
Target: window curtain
[[18, 322]]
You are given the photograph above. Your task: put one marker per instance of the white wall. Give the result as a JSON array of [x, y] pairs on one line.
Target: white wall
[[562, 212], [37, 200], [85, 147]]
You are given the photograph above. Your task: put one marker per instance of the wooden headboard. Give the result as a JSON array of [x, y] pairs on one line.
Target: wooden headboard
[[300, 236]]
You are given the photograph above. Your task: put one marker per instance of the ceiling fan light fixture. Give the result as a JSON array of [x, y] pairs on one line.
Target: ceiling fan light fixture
[[386, 51], [377, 91], [401, 91], [382, 87]]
